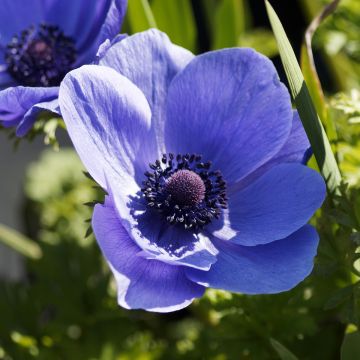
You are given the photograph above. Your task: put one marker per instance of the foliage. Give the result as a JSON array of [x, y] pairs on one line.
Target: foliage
[[65, 308]]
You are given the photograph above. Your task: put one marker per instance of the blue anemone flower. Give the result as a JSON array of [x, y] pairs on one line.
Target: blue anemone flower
[[202, 159], [40, 42]]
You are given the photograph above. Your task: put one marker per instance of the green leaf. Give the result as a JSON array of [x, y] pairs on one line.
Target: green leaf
[[316, 93], [140, 16], [19, 242], [282, 351], [177, 20], [350, 348], [229, 23], [312, 124]]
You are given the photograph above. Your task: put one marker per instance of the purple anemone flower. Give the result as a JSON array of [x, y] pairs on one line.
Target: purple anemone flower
[[40, 42], [202, 159]]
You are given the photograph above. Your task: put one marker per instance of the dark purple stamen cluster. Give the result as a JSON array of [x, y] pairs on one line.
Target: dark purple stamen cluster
[[40, 57], [185, 191]]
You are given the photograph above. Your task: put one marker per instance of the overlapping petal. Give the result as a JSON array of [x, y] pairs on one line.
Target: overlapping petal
[[262, 269], [88, 23], [31, 115], [147, 97], [108, 120], [230, 107], [15, 102], [295, 150], [150, 61], [142, 283], [171, 244], [274, 206]]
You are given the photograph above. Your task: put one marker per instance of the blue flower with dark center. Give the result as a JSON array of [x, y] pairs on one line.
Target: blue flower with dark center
[[202, 159], [40, 42]]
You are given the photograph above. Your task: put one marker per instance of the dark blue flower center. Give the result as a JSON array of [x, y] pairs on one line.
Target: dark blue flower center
[[40, 57], [185, 190]]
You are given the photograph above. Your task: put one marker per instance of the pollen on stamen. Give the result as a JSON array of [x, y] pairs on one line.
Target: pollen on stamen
[[186, 187]]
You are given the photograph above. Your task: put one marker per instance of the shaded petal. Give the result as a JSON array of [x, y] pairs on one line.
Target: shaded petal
[[18, 15], [113, 21], [142, 284], [15, 102], [105, 46], [30, 117], [230, 107], [102, 30], [274, 206], [262, 269], [5, 79], [108, 120], [76, 18], [150, 61], [295, 150], [171, 244]]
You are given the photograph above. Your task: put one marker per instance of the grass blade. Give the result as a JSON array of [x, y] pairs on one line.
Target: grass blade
[[310, 74], [312, 124], [140, 16], [19, 243]]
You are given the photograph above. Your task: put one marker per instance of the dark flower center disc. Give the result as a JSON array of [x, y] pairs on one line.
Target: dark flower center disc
[[40, 57], [185, 191], [186, 188]]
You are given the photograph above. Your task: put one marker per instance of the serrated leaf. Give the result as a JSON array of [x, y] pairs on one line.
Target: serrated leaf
[[300, 93], [282, 351], [89, 232], [20, 243]]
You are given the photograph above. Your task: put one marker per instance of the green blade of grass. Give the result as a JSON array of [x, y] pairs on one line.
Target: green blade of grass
[[310, 74], [140, 16], [19, 243], [312, 124], [282, 351], [177, 20]]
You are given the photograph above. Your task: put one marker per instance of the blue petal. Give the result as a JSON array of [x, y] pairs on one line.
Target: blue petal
[[76, 18], [150, 61], [5, 79], [295, 150], [106, 45], [88, 22], [142, 284], [113, 21], [230, 107], [108, 120], [30, 117], [105, 28], [18, 15], [171, 244], [263, 269], [15, 102], [274, 206]]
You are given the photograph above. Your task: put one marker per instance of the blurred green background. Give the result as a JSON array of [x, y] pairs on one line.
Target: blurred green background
[[64, 307]]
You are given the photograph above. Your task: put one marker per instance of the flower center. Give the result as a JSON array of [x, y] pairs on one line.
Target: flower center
[[185, 191], [186, 188], [40, 57]]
